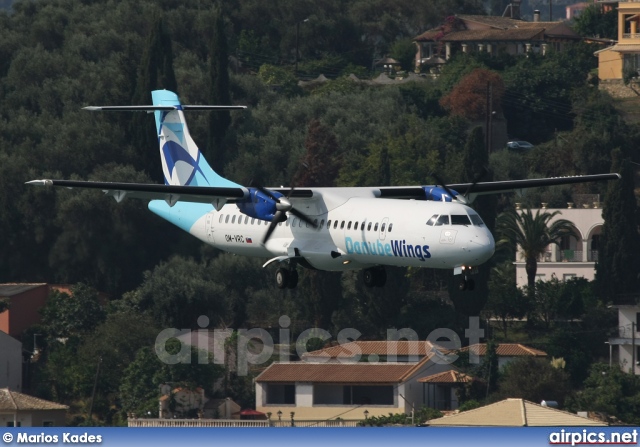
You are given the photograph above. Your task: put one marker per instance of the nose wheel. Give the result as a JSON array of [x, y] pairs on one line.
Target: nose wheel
[[466, 284]]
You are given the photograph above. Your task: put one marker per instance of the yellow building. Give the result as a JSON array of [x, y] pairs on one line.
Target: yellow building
[[624, 56]]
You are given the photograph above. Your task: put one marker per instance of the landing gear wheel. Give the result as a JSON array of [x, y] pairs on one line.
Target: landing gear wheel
[[369, 278], [381, 277], [462, 285], [375, 277], [282, 278], [293, 279], [471, 284]]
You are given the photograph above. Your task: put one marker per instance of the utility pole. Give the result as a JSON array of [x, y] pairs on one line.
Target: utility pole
[[95, 384], [550, 10], [488, 117], [633, 348]]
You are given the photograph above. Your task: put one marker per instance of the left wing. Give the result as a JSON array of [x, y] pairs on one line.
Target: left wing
[[217, 196]]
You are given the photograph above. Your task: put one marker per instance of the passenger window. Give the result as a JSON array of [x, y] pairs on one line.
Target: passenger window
[[226, 219], [369, 227], [460, 219], [295, 221], [375, 227], [335, 224], [221, 216], [342, 225], [252, 220], [355, 226], [328, 224], [300, 223], [382, 228], [433, 220], [233, 219], [349, 225], [321, 224], [443, 220], [390, 227]]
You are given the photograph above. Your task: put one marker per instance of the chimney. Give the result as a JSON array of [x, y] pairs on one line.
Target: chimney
[[536, 15], [515, 9]]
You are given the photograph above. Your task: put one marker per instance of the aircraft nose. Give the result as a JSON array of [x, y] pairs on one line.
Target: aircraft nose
[[483, 244]]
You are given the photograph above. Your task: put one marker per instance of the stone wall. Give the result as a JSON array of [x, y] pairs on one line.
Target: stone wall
[[617, 89]]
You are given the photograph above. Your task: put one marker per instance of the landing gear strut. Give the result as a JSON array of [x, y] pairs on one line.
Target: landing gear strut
[[375, 277], [287, 277], [466, 284]]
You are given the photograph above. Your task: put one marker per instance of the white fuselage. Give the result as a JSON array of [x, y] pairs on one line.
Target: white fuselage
[[363, 231]]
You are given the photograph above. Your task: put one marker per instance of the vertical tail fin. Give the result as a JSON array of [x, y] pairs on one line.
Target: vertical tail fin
[[182, 161]]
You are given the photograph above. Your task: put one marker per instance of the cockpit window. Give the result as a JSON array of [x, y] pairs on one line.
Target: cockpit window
[[460, 219], [477, 220], [443, 220], [432, 220]]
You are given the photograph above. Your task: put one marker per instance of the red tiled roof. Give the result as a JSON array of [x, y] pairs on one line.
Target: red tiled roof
[[498, 29], [451, 376], [505, 350], [12, 401], [366, 348], [360, 372]]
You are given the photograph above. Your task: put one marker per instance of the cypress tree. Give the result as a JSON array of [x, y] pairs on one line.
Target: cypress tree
[[476, 160], [218, 93], [619, 252], [155, 72]]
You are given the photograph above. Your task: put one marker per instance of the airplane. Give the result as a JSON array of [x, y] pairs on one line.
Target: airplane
[[333, 228]]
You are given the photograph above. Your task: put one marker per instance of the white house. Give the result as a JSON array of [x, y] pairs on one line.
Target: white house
[[10, 362], [334, 383], [506, 352], [577, 254], [625, 348]]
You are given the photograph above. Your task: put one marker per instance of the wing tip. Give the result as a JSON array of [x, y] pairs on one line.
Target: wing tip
[[43, 182]]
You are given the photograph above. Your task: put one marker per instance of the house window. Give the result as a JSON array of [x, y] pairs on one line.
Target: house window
[[352, 395], [281, 393], [10, 424], [568, 276], [367, 395], [47, 423]]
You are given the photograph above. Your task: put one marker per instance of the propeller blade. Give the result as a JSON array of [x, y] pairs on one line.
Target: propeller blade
[[444, 185], [303, 217], [477, 178], [272, 226]]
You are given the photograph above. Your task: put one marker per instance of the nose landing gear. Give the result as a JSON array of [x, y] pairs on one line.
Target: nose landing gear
[[466, 282]]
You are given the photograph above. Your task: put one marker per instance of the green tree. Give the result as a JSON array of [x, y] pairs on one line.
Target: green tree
[[219, 93], [531, 235], [619, 253], [534, 379], [155, 72], [594, 23], [71, 315], [505, 301], [404, 51], [611, 391]]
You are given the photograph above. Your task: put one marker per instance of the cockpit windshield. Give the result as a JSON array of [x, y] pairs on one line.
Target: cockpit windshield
[[456, 219]]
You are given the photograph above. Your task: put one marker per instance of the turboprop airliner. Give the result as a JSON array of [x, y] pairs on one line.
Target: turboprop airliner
[[332, 229]]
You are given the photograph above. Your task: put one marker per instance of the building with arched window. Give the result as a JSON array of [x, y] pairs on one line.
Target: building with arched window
[[577, 254]]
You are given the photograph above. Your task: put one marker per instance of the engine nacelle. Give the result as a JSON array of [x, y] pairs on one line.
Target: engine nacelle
[[438, 194], [259, 205]]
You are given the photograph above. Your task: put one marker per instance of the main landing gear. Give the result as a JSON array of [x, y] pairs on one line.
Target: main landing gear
[[375, 277], [287, 277]]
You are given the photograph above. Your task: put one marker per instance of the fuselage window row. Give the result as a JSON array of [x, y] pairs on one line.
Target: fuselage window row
[[443, 219]]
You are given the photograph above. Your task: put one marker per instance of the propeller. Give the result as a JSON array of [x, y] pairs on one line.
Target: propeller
[[283, 206], [464, 197]]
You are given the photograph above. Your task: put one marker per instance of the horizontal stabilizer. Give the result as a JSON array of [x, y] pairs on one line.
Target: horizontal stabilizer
[[151, 108]]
